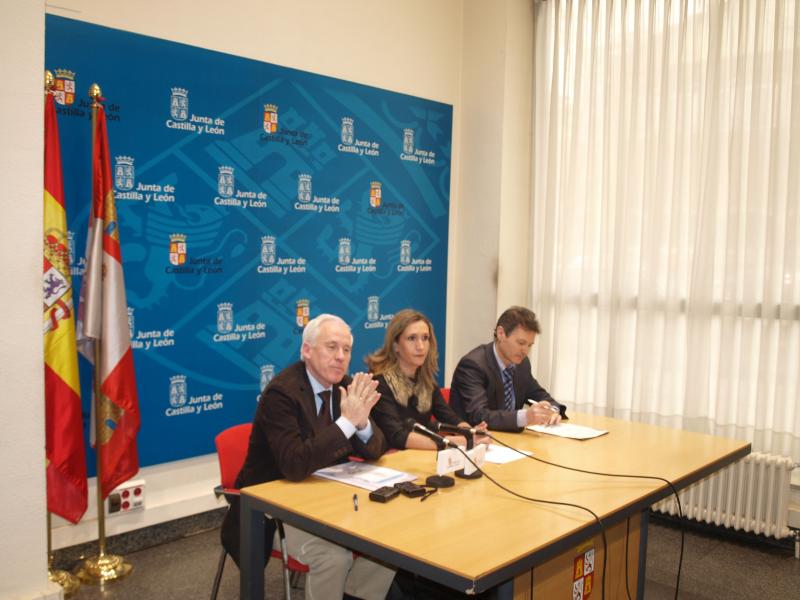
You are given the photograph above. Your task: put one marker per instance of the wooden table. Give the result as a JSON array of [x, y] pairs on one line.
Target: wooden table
[[474, 535]]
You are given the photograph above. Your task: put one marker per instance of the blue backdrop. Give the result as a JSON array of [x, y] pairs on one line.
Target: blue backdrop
[[250, 197]]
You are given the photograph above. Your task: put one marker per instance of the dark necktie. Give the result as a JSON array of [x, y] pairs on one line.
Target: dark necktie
[[324, 416], [508, 387]]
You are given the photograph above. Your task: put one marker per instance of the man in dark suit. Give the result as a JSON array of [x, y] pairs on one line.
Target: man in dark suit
[[493, 381], [306, 420]]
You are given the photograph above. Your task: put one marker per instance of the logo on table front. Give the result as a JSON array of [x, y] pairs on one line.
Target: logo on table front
[[64, 87], [177, 391], [267, 373], [270, 118], [225, 317], [124, 173], [345, 252], [179, 104], [268, 250], [374, 194], [348, 135], [583, 575], [303, 312], [304, 187], [225, 182], [408, 141], [177, 249]]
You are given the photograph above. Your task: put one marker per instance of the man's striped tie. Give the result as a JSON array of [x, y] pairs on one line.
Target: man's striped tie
[[508, 387]]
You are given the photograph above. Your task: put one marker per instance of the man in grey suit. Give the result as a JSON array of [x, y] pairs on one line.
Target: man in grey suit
[[493, 381]]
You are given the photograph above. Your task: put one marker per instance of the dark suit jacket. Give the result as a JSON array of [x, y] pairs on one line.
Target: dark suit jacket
[[284, 444], [392, 417], [476, 392]]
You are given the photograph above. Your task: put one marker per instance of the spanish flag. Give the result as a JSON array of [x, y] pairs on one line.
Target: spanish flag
[[66, 458], [103, 320]]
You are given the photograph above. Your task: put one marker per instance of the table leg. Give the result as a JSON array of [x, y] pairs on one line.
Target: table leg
[[251, 550]]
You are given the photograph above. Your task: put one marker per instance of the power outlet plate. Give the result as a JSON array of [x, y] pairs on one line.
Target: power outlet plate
[[126, 498]]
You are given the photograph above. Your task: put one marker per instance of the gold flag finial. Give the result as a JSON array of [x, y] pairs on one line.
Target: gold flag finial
[[94, 92], [49, 80]]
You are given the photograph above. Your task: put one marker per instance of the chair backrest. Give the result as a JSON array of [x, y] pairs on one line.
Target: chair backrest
[[446, 394], [231, 452]]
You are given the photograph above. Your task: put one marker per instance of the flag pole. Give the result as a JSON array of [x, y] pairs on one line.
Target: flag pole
[[103, 567], [68, 582]]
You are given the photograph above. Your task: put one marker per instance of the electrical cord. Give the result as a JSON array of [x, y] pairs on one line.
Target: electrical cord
[[627, 538], [553, 502], [625, 475]]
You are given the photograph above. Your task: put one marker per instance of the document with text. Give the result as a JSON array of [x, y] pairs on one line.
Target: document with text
[[364, 475], [569, 430]]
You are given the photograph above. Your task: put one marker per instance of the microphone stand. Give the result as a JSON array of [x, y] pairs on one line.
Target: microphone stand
[[477, 473]]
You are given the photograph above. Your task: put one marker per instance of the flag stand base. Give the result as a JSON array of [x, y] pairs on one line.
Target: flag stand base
[[105, 567], [68, 582]]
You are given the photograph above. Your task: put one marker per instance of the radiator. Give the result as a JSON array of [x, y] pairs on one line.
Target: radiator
[[750, 495]]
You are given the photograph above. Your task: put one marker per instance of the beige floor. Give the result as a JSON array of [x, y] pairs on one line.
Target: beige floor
[[713, 568]]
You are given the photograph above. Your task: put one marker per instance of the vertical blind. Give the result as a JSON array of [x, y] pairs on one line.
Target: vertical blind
[[666, 231]]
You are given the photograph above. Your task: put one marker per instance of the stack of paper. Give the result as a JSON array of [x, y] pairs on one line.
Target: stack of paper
[[568, 430]]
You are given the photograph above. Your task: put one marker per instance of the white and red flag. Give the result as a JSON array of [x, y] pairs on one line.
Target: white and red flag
[[103, 320]]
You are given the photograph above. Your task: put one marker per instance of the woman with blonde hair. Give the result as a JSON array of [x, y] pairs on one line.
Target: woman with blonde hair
[[405, 368]]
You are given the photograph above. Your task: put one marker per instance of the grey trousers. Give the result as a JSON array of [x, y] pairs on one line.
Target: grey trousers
[[332, 570]]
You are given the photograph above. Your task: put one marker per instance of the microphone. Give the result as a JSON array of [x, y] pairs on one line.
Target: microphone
[[440, 441], [465, 431]]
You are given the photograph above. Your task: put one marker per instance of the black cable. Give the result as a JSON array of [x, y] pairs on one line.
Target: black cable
[[554, 502], [627, 539], [667, 481]]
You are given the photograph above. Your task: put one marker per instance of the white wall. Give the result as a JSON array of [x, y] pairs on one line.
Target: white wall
[[23, 570], [489, 259], [453, 51]]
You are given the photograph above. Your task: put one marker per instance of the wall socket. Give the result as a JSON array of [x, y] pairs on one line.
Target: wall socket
[[126, 498]]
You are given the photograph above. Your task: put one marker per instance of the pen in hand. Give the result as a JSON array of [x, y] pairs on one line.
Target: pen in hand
[[550, 406]]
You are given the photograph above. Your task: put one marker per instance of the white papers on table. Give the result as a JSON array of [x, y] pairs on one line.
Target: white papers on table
[[569, 430], [501, 455], [364, 475]]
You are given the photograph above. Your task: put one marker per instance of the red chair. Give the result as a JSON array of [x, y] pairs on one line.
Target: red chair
[[446, 394], [231, 451]]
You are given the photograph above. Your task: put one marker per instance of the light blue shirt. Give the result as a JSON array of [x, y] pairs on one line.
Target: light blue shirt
[[348, 429], [522, 418]]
